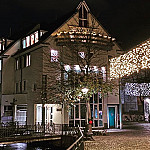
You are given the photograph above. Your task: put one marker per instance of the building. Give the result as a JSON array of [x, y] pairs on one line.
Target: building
[[133, 70], [31, 71]]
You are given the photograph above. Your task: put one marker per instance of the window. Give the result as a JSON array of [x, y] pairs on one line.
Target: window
[[24, 85], [24, 61], [65, 76], [8, 111], [36, 37], [103, 70], [95, 69], [17, 63], [54, 56], [77, 68], [77, 113], [67, 68], [17, 88], [44, 86], [0, 64], [48, 114], [83, 17], [30, 40], [72, 37], [20, 87], [81, 54], [34, 87], [28, 59], [24, 43], [0, 46], [21, 114]]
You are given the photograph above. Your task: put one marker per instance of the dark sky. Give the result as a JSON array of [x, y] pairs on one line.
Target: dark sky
[[126, 20]]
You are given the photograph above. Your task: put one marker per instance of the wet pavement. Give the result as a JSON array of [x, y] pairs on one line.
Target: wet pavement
[[133, 136]]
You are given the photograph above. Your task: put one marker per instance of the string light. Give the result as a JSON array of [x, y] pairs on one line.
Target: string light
[[131, 62], [135, 89]]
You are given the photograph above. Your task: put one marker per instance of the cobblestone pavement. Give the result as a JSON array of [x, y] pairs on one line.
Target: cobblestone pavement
[[133, 136]]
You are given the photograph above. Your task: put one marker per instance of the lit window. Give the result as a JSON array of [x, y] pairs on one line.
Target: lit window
[[103, 70], [41, 33], [82, 54], [8, 110], [95, 69], [17, 64], [72, 38], [24, 43], [85, 68], [28, 60], [32, 39], [77, 68], [67, 67], [0, 46], [36, 37], [65, 76], [3, 46], [0, 64], [28, 41], [54, 56]]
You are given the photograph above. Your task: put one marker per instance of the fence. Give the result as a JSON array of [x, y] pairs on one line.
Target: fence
[[13, 129]]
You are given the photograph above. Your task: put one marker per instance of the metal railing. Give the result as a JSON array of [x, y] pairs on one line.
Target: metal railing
[[14, 129], [78, 144]]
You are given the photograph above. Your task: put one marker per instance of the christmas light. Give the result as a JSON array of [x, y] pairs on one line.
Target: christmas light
[[131, 62], [135, 89]]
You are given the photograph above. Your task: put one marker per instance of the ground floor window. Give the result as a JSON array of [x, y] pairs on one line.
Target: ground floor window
[[48, 113], [78, 112], [7, 116], [21, 114]]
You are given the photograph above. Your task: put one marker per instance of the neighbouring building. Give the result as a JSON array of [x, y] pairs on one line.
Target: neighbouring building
[[31, 70], [132, 69]]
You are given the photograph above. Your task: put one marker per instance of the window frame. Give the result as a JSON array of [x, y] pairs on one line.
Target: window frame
[[54, 54]]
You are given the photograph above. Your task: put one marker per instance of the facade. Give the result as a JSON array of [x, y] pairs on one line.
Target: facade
[[133, 70], [32, 68]]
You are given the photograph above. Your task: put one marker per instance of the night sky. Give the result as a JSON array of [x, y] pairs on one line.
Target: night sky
[[126, 20]]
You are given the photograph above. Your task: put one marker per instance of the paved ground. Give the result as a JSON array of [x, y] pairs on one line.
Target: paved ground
[[133, 136]]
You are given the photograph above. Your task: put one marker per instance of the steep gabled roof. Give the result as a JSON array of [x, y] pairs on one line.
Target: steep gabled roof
[[84, 4], [51, 28]]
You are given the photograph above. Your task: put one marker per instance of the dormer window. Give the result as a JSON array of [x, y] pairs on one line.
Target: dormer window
[[2, 44], [83, 16], [30, 39]]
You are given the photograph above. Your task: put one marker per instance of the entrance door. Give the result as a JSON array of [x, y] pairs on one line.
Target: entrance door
[[111, 117]]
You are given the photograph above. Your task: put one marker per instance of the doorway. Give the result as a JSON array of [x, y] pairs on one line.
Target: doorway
[[111, 117]]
